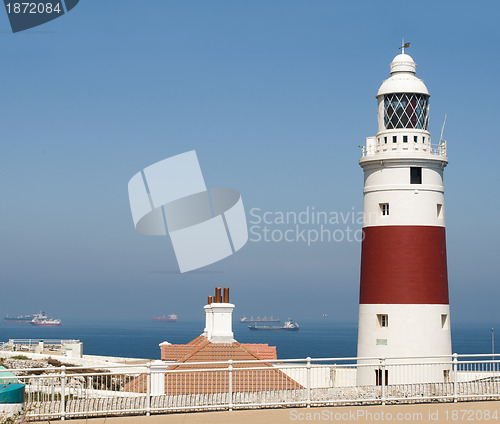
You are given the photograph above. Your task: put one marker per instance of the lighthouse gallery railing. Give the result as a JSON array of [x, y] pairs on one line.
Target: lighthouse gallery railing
[[426, 148]]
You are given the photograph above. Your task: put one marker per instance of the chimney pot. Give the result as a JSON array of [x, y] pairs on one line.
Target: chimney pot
[[218, 295], [209, 300], [226, 294]]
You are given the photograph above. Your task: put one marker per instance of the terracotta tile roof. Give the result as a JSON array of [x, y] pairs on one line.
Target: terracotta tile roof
[[175, 352], [213, 352], [200, 339], [180, 383], [262, 350]]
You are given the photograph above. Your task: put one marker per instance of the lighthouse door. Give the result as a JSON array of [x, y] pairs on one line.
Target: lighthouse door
[[378, 377]]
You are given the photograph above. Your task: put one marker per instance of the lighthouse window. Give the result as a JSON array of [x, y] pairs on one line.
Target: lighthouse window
[[444, 322], [383, 320], [385, 140], [405, 139], [415, 175], [406, 110], [394, 138], [415, 139], [384, 209], [439, 210]]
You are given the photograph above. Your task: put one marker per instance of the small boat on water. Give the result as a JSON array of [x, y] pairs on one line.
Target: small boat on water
[[41, 320], [288, 326], [169, 318]]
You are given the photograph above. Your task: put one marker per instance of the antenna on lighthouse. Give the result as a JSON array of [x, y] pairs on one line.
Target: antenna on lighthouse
[[442, 129]]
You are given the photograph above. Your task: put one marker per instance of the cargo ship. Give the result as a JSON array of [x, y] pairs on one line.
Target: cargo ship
[[169, 318], [288, 326], [245, 320], [41, 320], [24, 319]]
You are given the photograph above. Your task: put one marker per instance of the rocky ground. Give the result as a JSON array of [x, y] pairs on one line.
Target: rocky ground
[[24, 363]]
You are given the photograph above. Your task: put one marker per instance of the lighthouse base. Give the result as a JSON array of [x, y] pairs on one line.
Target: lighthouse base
[[407, 332]]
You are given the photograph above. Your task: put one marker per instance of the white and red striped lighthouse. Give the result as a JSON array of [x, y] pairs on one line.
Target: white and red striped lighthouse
[[403, 305]]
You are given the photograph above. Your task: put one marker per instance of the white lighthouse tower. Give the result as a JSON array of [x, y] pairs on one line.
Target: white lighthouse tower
[[404, 308]]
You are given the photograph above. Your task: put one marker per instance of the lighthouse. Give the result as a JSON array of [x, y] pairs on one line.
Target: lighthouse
[[403, 304]]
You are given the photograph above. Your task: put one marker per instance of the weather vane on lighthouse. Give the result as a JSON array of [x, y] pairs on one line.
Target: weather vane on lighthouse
[[404, 46]]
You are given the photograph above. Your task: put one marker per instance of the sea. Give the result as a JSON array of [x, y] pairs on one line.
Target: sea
[[141, 338]]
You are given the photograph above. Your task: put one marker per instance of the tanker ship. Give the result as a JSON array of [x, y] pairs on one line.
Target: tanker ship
[[41, 320], [245, 320], [22, 319], [288, 326], [169, 318]]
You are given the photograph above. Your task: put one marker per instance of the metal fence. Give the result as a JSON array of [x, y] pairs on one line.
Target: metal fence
[[378, 147], [36, 345], [161, 387]]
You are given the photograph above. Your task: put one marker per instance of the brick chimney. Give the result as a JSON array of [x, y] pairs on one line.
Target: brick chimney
[[219, 318], [207, 332]]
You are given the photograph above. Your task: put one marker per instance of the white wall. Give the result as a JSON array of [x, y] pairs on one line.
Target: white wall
[[414, 330]]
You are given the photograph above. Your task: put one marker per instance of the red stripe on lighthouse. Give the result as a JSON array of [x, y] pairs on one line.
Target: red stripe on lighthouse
[[404, 264]]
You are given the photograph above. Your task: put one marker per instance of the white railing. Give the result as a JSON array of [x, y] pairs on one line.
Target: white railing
[[432, 149], [158, 387], [20, 344], [36, 341]]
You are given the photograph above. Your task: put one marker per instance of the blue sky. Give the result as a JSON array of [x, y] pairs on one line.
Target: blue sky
[[275, 97]]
